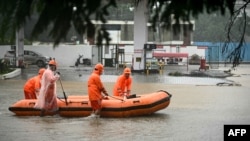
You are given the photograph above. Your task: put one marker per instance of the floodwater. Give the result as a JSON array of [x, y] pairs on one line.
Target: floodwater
[[196, 112], [81, 74]]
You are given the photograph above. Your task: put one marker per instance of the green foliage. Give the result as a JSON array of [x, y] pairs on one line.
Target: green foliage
[[211, 28], [178, 11], [176, 73], [61, 14], [195, 59], [4, 67]]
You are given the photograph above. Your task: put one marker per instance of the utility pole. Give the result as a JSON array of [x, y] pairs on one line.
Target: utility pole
[[19, 47]]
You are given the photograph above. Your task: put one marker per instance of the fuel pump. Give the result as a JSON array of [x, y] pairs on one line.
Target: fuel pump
[[148, 49]]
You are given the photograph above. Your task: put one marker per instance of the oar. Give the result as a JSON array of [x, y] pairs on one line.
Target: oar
[[65, 97], [116, 98]]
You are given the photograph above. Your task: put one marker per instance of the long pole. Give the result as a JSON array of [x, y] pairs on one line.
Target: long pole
[[65, 97], [116, 98]]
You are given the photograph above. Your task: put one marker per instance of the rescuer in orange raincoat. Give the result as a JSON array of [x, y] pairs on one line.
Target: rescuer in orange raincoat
[[123, 84], [32, 86], [47, 99], [95, 90]]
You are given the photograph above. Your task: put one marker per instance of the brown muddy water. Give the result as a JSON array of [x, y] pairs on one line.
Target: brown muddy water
[[196, 112]]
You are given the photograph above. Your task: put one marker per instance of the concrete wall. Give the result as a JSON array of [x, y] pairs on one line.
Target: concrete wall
[[65, 55]]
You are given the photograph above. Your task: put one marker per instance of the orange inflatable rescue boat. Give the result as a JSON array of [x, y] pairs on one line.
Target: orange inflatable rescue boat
[[79, 106]]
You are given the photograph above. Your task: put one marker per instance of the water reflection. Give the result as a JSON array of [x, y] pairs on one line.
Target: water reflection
[[195, 113], [153, 79], [82, 74]]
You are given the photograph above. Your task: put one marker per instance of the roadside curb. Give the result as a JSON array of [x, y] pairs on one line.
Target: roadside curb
[[12, 74]]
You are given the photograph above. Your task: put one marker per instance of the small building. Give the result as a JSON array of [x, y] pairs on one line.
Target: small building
[[214, 54]]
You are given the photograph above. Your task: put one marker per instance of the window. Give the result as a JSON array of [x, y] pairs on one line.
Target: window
[[26, 53], [32, 53], [178, 49], [106, 49], [127, 32], [138, 59]]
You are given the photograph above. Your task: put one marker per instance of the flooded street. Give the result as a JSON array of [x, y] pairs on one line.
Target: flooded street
[[198, 110]]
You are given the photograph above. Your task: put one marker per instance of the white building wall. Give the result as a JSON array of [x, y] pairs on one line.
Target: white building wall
[[65, 55], [129, 52], [115, 36], [191, 50], [167, 48]]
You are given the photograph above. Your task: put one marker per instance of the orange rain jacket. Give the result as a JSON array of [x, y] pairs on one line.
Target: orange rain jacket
[[31, 87], [95, 86], [122, 85]]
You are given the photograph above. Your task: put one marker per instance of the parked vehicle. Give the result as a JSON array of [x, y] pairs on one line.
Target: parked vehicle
[[85, 61], [30, 57]]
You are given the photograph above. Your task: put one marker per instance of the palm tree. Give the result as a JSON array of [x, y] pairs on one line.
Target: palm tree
[[63, 14]]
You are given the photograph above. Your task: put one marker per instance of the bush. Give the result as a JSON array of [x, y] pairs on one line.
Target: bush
[[175, 73], [195, 59], [4, 66]]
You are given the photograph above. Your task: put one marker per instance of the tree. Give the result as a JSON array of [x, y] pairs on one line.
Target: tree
[[62, 14], [210, 28], [168, 11], [239, 16]]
